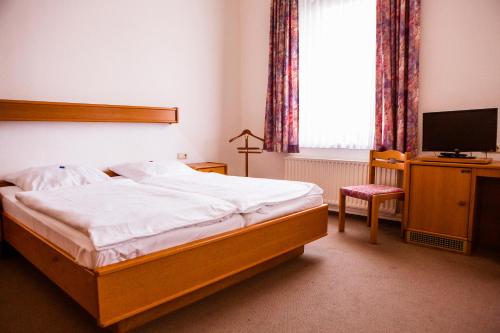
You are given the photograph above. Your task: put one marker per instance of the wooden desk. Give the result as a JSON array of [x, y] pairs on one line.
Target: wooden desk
[[441, 208]]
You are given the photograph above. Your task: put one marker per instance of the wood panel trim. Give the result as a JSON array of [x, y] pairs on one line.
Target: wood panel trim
[[20, 110]]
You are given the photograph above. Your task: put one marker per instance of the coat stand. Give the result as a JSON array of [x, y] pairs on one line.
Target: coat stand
[[247, 150]]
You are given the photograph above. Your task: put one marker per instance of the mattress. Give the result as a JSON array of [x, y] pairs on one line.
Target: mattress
[[79, 246], [246, 193]]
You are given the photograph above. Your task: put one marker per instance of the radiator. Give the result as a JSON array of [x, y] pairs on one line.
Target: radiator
[[331, 175]]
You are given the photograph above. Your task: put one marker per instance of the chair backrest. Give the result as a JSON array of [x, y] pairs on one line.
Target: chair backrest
[[389, 159]]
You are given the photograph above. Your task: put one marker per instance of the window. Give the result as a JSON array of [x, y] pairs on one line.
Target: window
[[337, 73]]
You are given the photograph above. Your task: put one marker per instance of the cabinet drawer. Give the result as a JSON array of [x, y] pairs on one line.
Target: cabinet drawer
[[439, 200], [210, 167], [220, 170]]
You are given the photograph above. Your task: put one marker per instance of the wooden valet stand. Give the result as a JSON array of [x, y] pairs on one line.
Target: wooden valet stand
[[247, 150]]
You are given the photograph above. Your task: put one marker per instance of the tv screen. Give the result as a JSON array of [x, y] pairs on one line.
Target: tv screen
[[468, 130]]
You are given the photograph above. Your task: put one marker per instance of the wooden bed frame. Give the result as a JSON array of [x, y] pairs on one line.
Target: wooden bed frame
[[125, 295]]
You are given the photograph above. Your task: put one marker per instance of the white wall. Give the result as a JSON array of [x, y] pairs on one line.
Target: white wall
[[459, 66], [460, 56], [254, 61], [166, 53], [207, 57]]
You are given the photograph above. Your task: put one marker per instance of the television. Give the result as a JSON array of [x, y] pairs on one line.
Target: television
[[460, 131]]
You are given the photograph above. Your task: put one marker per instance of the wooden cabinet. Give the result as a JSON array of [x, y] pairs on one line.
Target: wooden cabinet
[[440, 200], [210, 167], [450, 205]]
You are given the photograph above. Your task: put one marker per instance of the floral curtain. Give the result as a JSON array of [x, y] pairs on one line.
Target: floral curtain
[[396, 105], [282, 105]]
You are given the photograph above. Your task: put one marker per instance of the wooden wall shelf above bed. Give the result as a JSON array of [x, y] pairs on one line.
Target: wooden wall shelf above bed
[[17, 110]]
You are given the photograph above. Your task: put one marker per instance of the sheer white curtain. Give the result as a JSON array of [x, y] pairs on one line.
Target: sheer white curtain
[[337, 73]]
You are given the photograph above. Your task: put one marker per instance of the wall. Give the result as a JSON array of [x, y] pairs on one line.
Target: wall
[[169, 53], [254, 25], [459, 66], [459, 56], [207, 57]]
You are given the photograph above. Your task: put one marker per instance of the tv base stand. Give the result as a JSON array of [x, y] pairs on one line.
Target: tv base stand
[[456, 155], [455, 160]]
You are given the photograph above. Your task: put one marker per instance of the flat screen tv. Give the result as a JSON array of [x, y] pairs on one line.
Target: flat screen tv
[[460, 131]]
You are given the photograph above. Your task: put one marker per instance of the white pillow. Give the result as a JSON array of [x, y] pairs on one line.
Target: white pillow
[[141, 170], [56, 176]]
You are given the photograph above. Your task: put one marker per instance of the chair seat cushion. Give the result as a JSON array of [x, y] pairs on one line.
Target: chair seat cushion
[[366, 192]]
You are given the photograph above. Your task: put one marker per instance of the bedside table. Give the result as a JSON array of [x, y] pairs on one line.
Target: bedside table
[[210, 167]]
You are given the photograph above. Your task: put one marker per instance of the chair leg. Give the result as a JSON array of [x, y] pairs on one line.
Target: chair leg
[[374, 220], [403, 220], [341, 211], [368, 216]]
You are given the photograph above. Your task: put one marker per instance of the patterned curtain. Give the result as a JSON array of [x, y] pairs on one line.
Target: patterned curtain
[[396, 106], [282, 105]]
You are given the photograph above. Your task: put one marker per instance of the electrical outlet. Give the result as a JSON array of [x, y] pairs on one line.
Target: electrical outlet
[[182, 156]]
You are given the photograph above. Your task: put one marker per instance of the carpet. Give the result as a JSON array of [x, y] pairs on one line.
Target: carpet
[[342, 283]]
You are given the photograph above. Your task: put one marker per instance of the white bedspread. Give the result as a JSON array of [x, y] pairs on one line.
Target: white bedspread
[[248, 194], [113, 212]]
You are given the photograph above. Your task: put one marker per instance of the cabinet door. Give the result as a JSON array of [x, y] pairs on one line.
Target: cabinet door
[[439, 200]]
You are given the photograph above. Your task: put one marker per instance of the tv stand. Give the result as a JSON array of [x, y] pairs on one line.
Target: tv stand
[[466, 160], [450, 205], [455, 155]]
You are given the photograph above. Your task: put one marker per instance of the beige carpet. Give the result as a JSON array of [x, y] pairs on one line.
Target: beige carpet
[[341, 284]]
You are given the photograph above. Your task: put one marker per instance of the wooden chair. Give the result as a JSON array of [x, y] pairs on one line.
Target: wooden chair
[[375, 194]]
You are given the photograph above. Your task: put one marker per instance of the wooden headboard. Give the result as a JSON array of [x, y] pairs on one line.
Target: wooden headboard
[[17, 110]]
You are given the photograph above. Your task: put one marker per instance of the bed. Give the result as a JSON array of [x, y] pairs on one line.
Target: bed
[[166, 280], [126, 294], [78, 245]]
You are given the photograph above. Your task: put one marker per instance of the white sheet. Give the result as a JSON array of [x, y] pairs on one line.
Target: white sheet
[[114, 212], [288, 207], [78, 246], [247, 194]]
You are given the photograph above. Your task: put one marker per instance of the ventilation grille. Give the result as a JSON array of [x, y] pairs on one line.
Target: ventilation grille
[[436, 241]]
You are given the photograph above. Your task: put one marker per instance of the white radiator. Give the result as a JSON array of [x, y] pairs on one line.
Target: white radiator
[[331, 175]]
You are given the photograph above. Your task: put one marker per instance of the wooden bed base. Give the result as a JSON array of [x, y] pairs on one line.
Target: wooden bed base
[[128, 294]]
